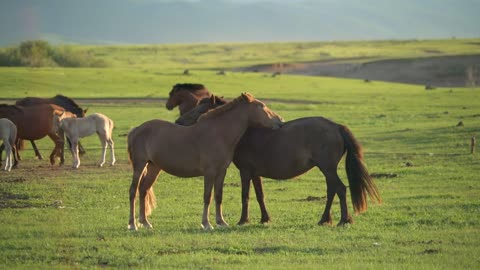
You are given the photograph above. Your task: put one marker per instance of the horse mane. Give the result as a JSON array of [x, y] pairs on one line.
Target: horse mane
[[66, 99], [8, 106], [244, 98], [218, 101], [192, 87]]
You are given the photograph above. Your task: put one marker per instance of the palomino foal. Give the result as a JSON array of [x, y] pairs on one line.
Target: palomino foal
[[76, 128], [8, 133]]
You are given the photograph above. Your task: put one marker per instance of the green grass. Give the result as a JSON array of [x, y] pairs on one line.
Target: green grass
[[57, 217]]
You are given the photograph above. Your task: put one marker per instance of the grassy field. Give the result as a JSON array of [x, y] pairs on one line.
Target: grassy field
[[57, 217]]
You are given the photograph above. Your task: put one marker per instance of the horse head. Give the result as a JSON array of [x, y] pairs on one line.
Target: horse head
[[203, 106], [186, 95], [58, 117], [260, 115]]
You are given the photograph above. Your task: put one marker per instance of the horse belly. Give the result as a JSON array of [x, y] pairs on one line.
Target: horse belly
[[177, 165]]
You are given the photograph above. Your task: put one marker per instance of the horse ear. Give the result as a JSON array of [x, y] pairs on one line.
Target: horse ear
[[85, 111], [212, 99], [247, 96]]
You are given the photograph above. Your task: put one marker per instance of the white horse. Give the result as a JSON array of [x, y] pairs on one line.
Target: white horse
[[8, 133], [76, 128]]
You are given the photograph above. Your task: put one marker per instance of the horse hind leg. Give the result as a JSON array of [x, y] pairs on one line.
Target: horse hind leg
[[112, 151], [138, 173], [335, 186], [147, 197], [35, 149], [8, 157], [103, 142]]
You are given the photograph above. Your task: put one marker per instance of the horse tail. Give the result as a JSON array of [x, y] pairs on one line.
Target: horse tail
[[150, 202], [359, 179], [130, 145], [21, 144]]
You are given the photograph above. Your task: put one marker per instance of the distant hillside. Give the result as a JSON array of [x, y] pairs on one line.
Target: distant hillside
[[164, 21]]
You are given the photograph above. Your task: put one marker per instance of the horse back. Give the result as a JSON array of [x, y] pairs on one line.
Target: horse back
[[291, 150]]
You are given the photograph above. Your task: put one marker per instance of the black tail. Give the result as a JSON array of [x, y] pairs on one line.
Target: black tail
[[359, 179]]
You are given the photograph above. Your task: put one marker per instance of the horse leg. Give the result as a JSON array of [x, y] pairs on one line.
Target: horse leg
[[1, 151], [208, 181], [219, 180], [8, 157], [326, 218], [138, 171], [81, 150], [112, 152], [103, 141], [342, 195], [76, 158], [37, 153], [258, 185], [245, 177], [58, 150], [147, 198], [335, 186]]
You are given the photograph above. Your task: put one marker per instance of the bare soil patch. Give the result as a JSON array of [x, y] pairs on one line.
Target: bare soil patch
[[440, 71]]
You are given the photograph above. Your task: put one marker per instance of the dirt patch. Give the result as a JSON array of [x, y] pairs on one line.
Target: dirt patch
[[440, 71]]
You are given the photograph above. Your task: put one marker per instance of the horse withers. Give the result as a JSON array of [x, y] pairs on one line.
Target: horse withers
[[8, 134], [294, 149], [205, 149], [76, 128]]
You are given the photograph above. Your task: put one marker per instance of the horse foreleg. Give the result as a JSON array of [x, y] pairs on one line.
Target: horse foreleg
[[219, 180], [208, 182], [35, 149], [258, 185]]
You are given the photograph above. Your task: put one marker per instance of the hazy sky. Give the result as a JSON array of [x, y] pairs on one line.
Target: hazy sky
[[186, 21]]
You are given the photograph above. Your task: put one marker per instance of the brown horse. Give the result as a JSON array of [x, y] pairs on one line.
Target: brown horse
[[186, 96], [293, 150], [205, 149], [34, 123], [60, 100]]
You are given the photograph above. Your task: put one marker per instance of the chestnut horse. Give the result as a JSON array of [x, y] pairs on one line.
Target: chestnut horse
[[294, 149], [34, 123], [205, 149], [60, 100], [186, 96]]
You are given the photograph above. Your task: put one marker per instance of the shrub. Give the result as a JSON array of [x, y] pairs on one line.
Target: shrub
[[39, 53]]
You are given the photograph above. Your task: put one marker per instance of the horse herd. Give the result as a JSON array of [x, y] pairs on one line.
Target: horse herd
[[210, 134], [34, 118]]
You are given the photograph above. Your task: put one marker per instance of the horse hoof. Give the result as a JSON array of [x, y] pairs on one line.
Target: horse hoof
[[243, 222], [222, 224], [344, 222], [132, 227], [265, 220], [325, 222], [207, 227]]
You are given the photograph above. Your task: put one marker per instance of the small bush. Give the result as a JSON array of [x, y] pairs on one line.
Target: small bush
[[39, 53]]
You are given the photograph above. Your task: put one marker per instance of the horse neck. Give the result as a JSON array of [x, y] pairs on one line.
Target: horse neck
[[232, 124]]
